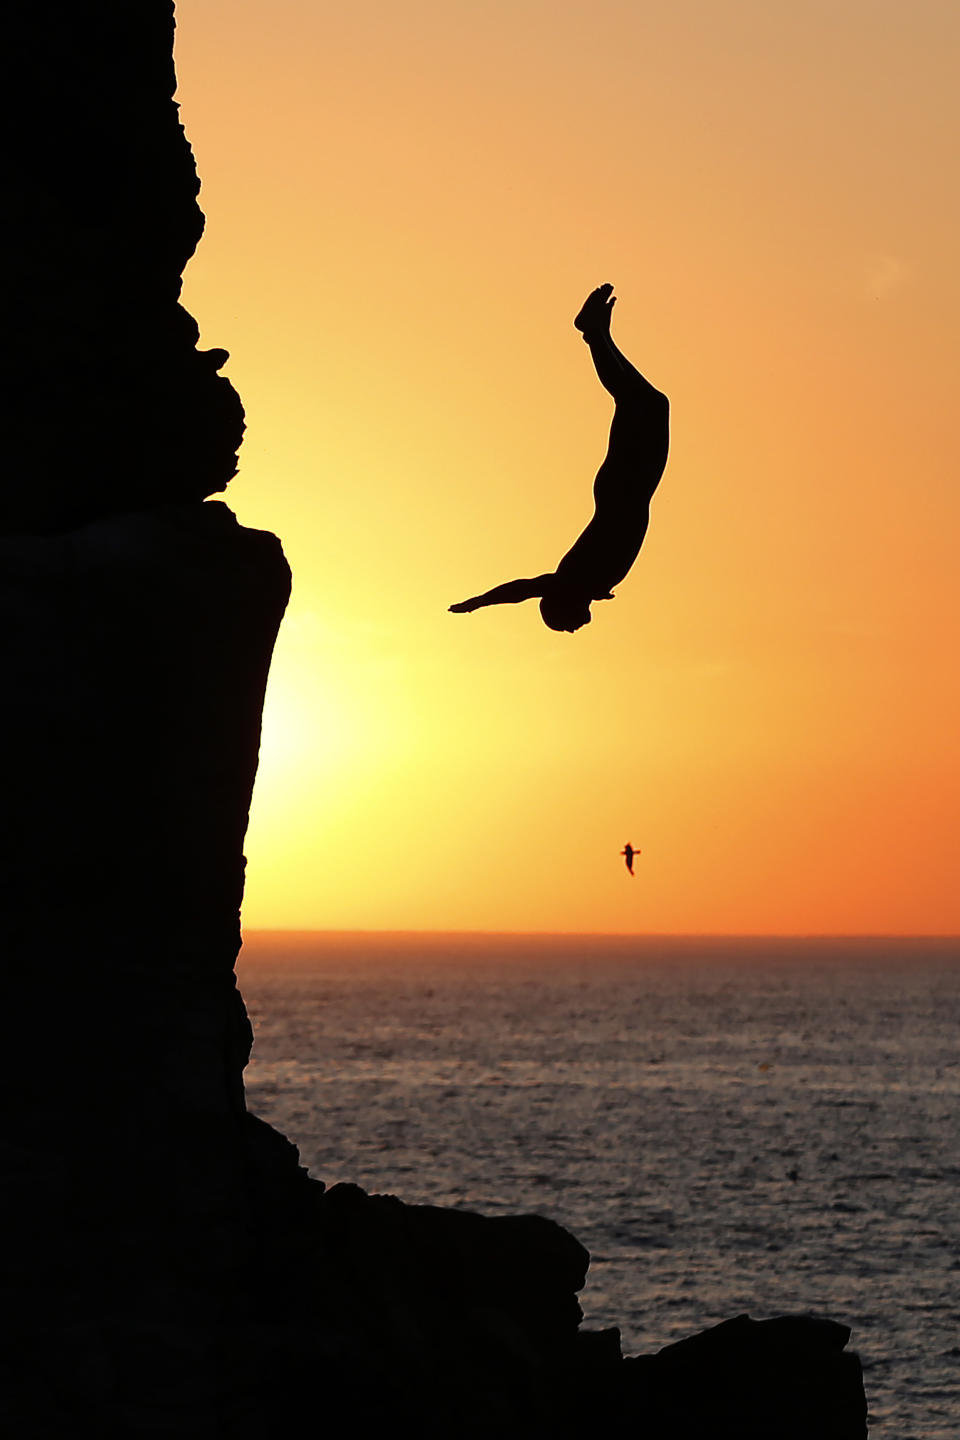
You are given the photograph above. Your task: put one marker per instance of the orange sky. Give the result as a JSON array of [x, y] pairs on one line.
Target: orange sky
[[405, 207]]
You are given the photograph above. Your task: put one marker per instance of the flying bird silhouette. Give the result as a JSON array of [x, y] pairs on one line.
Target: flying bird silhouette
[[628, 853]]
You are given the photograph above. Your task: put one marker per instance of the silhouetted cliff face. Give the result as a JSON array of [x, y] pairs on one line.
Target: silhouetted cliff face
[[107, 403], [167, 1269], [133, 654], [136, 630]]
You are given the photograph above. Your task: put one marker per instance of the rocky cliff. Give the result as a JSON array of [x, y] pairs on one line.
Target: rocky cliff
[[167, 1267]]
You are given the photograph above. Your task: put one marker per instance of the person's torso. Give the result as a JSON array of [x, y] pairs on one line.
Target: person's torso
[[606, 550]]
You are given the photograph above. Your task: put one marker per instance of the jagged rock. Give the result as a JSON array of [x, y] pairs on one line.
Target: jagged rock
[[108, 406], [789, 1378]]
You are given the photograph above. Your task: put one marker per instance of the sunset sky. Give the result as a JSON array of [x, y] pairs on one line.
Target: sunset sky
[[406, 205]]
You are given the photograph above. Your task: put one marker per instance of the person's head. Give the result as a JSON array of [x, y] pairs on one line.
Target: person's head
[[564, 608]]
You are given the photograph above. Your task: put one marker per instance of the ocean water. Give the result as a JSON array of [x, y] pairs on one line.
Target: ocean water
[[753, 1125]]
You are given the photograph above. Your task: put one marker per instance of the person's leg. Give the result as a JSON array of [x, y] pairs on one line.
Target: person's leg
[[614, 370], [640, 430], [638, 444], [639, 433], [616, 373]]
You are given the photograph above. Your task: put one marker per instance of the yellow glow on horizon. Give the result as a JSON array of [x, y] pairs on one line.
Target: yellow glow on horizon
[[404, 209]]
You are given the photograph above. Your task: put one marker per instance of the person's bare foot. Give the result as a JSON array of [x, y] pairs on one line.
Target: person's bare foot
[[594, 316]]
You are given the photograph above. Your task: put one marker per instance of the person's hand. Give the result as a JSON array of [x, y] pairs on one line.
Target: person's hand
[[464, 606]]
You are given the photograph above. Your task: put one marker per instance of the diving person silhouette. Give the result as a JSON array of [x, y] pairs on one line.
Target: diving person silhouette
[[628, 853], [636, 456]]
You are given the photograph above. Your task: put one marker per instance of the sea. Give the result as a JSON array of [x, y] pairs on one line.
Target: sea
[[754, 1125]]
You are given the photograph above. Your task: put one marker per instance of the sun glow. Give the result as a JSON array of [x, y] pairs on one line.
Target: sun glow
[[399, 233]]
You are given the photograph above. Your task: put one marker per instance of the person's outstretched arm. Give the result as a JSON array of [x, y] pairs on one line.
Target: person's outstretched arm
[[509, 594]]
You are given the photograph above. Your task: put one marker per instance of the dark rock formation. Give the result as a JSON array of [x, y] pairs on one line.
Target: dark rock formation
[[108, 404], [167, 1268], [788, 1378], [134, 653]]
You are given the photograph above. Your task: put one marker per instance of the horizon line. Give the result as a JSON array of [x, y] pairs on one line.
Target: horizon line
[[611, 934]]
